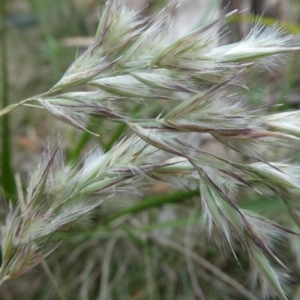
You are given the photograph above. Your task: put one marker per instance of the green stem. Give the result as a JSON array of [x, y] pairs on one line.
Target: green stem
[[53, 280], [7, 174], [7, 109], [117, 134], [156, 201], [85, 137], [119, 131]]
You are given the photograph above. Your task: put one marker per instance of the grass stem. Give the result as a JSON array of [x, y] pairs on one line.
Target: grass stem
[[6, 171], [53, 281], [154, 201]]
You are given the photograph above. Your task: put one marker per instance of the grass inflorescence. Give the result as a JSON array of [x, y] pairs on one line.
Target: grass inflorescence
[[132, 61]]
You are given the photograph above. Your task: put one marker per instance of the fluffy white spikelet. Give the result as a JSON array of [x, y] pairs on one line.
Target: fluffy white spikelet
[[287, 122], [259, 42]]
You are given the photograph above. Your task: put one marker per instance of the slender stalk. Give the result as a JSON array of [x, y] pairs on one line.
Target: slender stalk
[[7, 174], [119, 131], [207, 265], [12, 107], [84, 139], [53, 281], [156, 201], [117, 134]]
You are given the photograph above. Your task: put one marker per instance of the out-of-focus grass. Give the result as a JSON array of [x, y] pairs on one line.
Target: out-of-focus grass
[[267, 21], [7, 177], [131, 250], [52, 46]]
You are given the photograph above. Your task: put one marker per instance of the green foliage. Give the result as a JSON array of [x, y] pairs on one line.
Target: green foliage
[[6, 169]]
